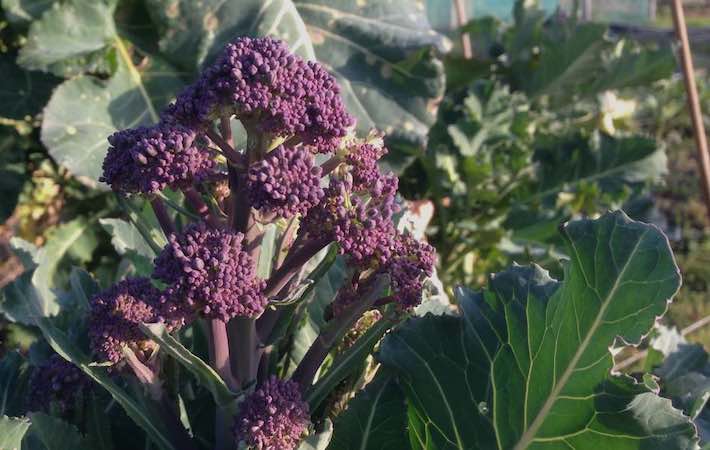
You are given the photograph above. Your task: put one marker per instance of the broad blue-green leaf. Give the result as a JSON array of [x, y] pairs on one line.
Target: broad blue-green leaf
[[388, 78], [13, 380], [125, 237], [13, 171], [12, 430], [23, 93], [71, 37], [376, 418], [37, 286], [56, 434], [85, 110], [204, 374], [547, 346], [22, 12]]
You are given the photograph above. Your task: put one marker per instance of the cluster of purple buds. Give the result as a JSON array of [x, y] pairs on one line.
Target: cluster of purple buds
[[56, 382], [362, 226], [115, 316], [208, 272], [286, 182], [362, 158], [262, 83], [411, 263], [149, 159], [274, 417]]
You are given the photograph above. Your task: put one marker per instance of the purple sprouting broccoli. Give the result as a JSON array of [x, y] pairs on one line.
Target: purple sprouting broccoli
[[273, 417], [412, 261], [360, 222], [115, 316], [286, 182], [265, 86], [362, 158], [208, 272], [56, 382], [148, 159]]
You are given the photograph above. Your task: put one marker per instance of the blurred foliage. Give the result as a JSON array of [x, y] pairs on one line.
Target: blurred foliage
[[533, 131]]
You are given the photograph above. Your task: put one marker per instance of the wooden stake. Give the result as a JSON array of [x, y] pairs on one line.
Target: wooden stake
[[465, 39], [693, 101]]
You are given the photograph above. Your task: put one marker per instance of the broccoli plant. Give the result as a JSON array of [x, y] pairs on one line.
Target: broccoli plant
[[258, 283]]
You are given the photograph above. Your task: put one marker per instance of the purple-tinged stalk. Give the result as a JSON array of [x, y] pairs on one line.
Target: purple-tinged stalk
[[198, 204], [161, 213]]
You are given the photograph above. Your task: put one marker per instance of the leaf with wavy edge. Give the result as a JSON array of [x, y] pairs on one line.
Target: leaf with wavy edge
[[546, 345]]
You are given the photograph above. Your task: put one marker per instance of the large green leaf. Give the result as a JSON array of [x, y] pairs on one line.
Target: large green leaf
[[13, 171], [85, 110], [56, 434], [125, 237], [543, 347], [375, 50], [70, 38], [376, 419], [23, 93], [12, 430]]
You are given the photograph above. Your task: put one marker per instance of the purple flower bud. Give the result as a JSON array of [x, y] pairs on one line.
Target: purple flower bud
[[222, 286], [411, 262], [116, 314], [148, 159], [273, 417], [286, 182], [286, 97], [56, 382]]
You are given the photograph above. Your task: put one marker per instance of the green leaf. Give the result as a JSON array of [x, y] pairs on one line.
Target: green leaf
[[70, 38], [376, 419], [13, 171], [346, 363], [56, 434], [85, 110], [13, 380], [388, 77], [12, 430], [98, 431], [541, 349], [125, 237], [204, 374], [21, 12], [23, 93], [266, 252]]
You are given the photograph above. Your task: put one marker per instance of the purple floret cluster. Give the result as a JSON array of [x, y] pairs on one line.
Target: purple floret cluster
[[286, 182], [208, 272], [363, 158], [56, 382], [262, 83], [115, 316], [411, 263], [362, 226], [274, 417], [149, 159]]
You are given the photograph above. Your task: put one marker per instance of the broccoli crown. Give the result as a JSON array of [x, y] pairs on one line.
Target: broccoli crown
[[286, 182], [208, 272], [148, 159], [115, 316], [363, 157], [411, 262], [261, 82], [273, 417], [56, 382]]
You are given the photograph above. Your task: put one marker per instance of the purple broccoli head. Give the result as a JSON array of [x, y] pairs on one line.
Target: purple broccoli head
[[273, 417], [56, 382], [412, 261], [116, 314], [208, 272], [149, 159], [262, 83], [286, 182]]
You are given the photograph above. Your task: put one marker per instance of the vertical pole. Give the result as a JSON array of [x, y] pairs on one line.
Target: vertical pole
[[693, 101], [461, 18]]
